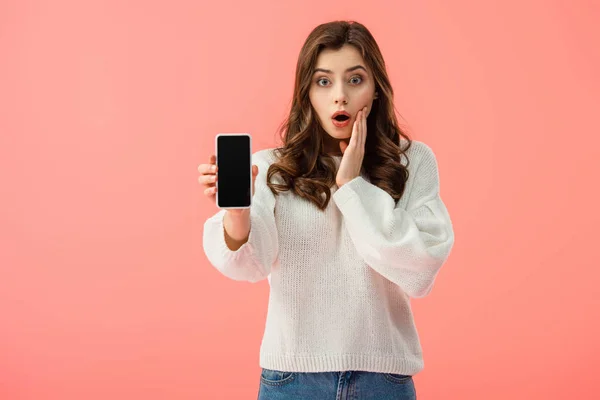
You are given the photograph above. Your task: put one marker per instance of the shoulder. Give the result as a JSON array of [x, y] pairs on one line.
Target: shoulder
[[418, 150], [423, 165], [419, 154]]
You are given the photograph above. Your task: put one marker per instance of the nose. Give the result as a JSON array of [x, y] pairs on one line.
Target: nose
[[340, 96]]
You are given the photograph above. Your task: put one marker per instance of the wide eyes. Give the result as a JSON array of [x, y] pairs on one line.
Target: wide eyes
[[356, 79]]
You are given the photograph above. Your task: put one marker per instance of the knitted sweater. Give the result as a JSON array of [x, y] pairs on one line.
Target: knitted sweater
[[341, 279]]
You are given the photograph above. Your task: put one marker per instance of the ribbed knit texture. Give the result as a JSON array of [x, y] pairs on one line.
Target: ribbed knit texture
[[341, 279]]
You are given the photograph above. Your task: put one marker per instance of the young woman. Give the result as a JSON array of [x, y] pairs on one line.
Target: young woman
[[347, 224]]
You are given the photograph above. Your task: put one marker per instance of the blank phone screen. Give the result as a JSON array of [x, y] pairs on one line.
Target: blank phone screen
[[234, 171]]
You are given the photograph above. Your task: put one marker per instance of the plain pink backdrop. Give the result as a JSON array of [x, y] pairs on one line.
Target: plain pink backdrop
[[107, 108]]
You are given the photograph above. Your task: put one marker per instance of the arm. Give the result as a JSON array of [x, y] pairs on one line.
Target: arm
[[236, 229], [250, 258], [407, 246]]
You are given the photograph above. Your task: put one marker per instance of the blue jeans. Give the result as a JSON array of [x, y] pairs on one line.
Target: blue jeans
[[344, 385]]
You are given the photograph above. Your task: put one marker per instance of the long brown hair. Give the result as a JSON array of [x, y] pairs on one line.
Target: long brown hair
[[302, 164]]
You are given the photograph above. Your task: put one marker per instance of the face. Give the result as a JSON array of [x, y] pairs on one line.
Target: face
[[341, 82]]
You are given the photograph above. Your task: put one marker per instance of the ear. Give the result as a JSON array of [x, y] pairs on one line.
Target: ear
[[376, 95]]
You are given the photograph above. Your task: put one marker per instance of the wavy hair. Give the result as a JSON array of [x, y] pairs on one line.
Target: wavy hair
[[302, 164]]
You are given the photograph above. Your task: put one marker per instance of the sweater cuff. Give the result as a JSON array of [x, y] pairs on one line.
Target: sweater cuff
[[351, 190], [224, 250]]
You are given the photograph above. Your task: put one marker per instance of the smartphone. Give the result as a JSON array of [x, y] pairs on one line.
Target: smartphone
[[234, 170]]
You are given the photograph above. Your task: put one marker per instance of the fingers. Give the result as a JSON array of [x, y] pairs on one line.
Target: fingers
[[207, 180], [355, 130], [208, 176], [359, 130], [254, 174], [363, 133], [207, 168]]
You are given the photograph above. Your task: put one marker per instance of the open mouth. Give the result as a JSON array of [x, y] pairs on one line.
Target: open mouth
[[341, 117], [341, 120]]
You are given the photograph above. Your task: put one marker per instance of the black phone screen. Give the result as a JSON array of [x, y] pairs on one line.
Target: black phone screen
[[234, 163]]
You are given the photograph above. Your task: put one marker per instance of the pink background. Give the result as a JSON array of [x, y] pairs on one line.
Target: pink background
[[107, 109]]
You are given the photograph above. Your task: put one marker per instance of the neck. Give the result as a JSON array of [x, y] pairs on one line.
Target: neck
[[331, 145]]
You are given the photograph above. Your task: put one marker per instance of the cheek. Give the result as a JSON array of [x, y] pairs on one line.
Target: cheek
[[366, 95], [366, 99], [318, 105]]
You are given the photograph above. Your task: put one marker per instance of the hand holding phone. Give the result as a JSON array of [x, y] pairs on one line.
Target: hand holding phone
[[229, 176], [234, 163], [208, 178]]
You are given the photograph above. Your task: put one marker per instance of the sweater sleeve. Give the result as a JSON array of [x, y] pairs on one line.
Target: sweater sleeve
[[408, 245], [252, 262]]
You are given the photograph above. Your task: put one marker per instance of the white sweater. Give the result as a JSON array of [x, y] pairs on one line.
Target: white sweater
[[341, 279]]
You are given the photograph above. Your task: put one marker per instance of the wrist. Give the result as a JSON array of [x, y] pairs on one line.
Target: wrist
[[237, 224]]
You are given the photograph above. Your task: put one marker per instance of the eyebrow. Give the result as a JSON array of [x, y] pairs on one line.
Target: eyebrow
[[328, 71]]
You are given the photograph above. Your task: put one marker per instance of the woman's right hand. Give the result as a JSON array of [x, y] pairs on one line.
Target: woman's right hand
[[208, 178]]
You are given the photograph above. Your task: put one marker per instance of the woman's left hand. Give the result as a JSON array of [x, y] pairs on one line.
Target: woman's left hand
[[353, 153]]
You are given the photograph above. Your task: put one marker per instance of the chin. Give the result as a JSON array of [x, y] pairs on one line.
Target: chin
[[340, 134]]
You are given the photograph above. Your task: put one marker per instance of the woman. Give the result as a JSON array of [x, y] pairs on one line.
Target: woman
[[347, 224]]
